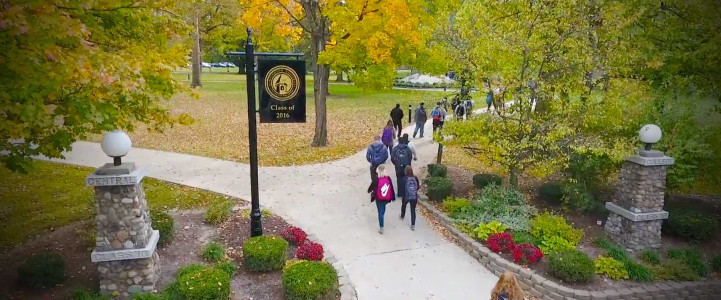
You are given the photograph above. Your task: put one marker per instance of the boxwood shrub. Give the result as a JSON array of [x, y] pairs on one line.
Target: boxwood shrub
[[439, 188], [436, 170], [482, 180], [571, 266], [204, 284], [42, 270], [692, 225], [310, 280], [264, 253], [164, 223]]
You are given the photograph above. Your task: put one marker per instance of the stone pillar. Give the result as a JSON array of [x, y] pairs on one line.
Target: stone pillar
[[125, 239], [636, 213]]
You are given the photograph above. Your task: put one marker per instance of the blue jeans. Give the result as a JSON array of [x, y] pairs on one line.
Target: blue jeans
[[419, 126], [381, 211]]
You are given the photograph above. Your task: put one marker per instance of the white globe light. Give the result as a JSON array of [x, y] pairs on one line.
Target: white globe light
[[649, 134], [116, 143]]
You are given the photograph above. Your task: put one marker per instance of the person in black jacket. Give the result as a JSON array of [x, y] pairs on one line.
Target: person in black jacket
[[397, 117]]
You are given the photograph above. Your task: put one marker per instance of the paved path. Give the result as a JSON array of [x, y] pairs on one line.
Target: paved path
[[330, 201]]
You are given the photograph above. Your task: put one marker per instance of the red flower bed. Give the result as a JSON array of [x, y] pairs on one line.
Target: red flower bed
[[309, 251], [294, 235], [499, 242], [527, 254]]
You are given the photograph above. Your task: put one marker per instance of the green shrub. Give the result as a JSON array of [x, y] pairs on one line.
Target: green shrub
[[692, 258], [310, 280], [465, 228], [454, 206], [228, 267], [550, 193], [546, 226], [482, 231], [218, 212], [439, 188], [42, 270], [436, 170], [610, 267], [481, 180], [522, 237], [638, 272], [89, 295], [555, 244], [571, 266], [651, 257], [674, 269], [577, 196], [716, 263], [187, 269], [500, 203], [164, 223], [264, 253], [691, 225], [147, 296], [213, 252], [204, 284]]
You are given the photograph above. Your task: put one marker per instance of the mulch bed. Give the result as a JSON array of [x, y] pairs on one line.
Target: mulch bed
[[191, 234]]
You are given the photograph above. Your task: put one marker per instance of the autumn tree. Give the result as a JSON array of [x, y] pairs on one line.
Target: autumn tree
[[68, 69]]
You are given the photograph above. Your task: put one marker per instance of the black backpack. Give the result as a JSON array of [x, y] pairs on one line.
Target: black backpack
[[404, 155]]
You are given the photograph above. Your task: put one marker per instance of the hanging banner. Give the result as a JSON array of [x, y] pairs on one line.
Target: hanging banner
[[282, 91]]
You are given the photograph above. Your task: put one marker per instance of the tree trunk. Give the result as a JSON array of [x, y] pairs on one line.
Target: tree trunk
[[320, 90], [513, 176], [195, 56], [339, 76]]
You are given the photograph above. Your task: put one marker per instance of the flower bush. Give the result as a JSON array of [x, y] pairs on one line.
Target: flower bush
[[294, 235], [500, 242], [482, 231], [610, 267], [309, 251], [526, 254]]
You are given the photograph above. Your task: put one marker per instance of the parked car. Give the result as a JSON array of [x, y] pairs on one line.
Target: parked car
[[216, 65], [230, 65], [205, 65], [223, 64]]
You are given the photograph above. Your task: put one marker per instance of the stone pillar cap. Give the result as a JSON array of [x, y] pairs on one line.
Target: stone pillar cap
[[132, 178], [660, 160]]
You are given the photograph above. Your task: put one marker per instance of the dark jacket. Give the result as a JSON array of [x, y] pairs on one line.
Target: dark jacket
[[411, 188], [421, 115], [397, 115], [379, 150]]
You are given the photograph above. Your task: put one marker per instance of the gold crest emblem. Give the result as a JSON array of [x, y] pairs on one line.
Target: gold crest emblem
[[282, 83]]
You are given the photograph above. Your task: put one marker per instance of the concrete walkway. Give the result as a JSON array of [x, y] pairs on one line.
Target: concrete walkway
[[330, 201]]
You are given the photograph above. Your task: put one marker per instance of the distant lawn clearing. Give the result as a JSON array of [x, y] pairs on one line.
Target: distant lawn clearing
[[221, 126], [54, 195]]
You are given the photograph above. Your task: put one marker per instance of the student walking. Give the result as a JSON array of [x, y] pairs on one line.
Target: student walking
[[401, 157], [460, 111], [384, 193], [376, 154], [411, 195], [397, 117], [438, 114], [421, 118], [388, 136]]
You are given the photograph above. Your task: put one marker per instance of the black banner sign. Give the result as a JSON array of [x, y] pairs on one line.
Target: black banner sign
[[282, 91]]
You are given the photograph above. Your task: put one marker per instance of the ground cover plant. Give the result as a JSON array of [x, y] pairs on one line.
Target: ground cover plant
[[498, 203]]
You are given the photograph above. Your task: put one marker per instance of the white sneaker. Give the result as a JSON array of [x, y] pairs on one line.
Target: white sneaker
[[380, 230], [413, 227]]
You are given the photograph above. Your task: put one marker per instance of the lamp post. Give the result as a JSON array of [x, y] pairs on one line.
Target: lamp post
[[116, 144], [410, 113], [256, 228], [649, 135]]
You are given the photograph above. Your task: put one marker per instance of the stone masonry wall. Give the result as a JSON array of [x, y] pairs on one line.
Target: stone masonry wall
[[634, 236], [641, 187], [129, 276], [122, 218]]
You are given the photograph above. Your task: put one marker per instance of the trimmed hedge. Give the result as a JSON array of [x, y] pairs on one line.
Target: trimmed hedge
[[264, 253], [482, 180], [571, 266], [164, 223], [42, 270], [439, 188], [204, 284], [692, 225], [551, 193], [436, 170], [310, 280]]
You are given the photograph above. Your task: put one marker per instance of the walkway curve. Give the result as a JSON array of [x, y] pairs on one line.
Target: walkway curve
[[329, 200]]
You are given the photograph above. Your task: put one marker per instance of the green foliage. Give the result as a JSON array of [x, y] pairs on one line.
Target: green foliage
[[550, 193], [439, 188], [264, 253], [610, 267], [213, 252], [84, 294], [651, 257], [638, 272], [204, 284], [692, 224], [503, 204], [147, 296], [218, 212], [692, 258], [571, 266], [674, 269], [436, 170], [481, 180], [454, 206], [587, 174], [482, 231], [554, 233], [228, 267], [164, 223], [522, 237], [307, 280], [716, 263], [465, 227], [42, 270], [576, 196]]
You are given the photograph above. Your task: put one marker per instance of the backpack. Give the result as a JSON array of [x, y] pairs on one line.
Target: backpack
[[436, 114], [411, 191], [403, 155], [461, 110], [377, 155], [384, 191], [387, 137]]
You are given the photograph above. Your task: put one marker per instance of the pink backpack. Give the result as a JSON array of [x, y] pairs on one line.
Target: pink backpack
[[384, 191]]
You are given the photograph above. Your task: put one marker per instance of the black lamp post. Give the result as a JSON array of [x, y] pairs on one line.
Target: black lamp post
[[409, 113], [256, 228]]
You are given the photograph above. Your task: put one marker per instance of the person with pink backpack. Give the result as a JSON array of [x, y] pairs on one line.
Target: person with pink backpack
[[382, 194]]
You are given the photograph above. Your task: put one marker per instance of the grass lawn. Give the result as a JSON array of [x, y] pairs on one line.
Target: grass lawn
[[221, 126], [53, 195]]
